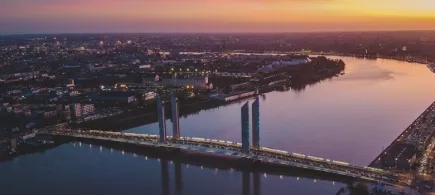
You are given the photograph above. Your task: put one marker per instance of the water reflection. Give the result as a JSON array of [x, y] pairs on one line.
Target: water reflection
[[168, 163], [128, 175], [246, 182], [256, 184], [165, 176], [178, 178]]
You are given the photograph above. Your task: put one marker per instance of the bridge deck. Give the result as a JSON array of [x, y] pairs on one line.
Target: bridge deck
[[212, 146]]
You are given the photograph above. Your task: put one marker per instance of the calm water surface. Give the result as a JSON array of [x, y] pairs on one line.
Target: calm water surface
[[349, 118]]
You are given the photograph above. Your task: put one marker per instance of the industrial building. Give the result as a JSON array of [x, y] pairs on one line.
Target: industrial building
[[233, 96], [190, 82], [297, 60]]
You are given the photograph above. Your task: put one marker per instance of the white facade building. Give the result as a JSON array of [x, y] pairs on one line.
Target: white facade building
[[87, 109]]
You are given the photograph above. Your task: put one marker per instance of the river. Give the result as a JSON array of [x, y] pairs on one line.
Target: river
[[348, 118]]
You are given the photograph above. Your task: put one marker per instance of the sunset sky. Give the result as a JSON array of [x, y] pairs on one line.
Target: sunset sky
[[80, 16]]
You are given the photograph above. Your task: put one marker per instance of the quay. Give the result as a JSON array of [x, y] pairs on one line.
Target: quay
[[417, 134]]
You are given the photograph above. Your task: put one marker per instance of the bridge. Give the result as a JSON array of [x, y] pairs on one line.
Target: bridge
[[234, 150], [228, 149]]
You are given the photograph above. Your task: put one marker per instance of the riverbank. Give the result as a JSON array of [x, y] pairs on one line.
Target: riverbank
[[295, 78], [29, 148], [377, 162]]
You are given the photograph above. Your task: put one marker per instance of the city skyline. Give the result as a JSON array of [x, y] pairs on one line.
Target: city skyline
[[100, 16]]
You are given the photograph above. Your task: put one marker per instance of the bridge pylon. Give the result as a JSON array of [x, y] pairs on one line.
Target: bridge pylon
[[161, 119], [245, 128], [175, 116], [256, 123]]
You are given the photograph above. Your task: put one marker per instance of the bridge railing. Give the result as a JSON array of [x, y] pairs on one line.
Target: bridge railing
[[318, 159]]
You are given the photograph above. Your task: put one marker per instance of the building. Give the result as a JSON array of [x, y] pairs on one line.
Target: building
[[87, 109], [143, 67], [70, 83], [245, 128], [175, 116], [47, 113], [161, 119], [297, 60], [14, 143], [256, 123], [76, 110], [190, 82], [149, 95], [119, 97], [233, 96]]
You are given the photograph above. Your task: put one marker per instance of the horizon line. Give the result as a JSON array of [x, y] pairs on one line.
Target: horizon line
[[210, 32]]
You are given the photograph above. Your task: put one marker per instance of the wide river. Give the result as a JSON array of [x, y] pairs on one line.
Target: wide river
[[349, 118]]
